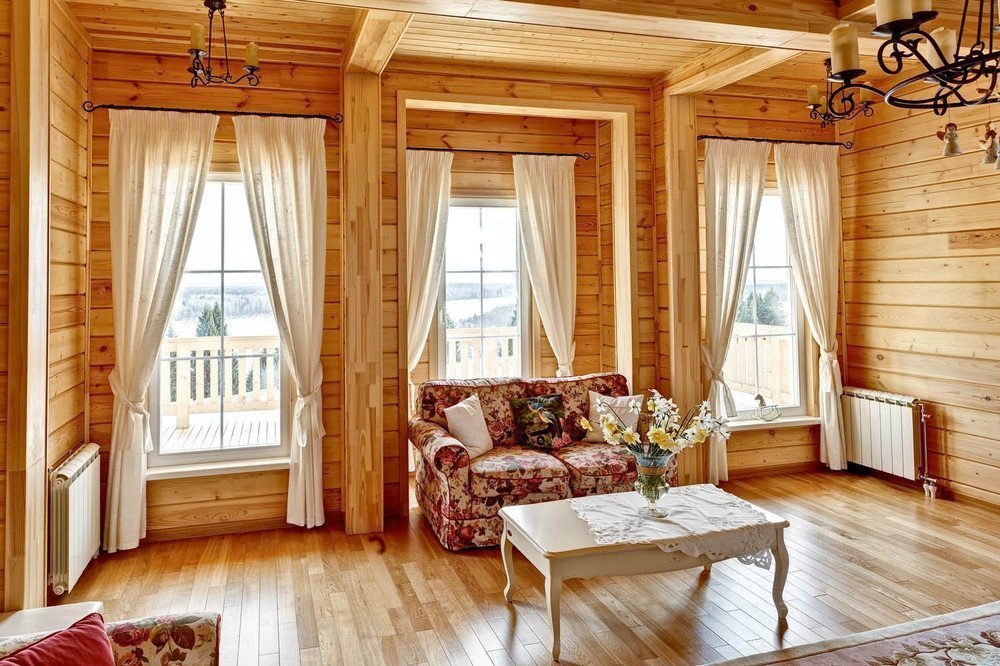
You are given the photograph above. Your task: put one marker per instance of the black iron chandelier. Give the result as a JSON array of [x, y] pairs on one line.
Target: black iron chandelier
[[201, 52], [951, 75]]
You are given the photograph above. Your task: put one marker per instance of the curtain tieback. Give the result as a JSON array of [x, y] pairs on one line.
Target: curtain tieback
[[135, 407], [717, 381], [829, 372], [313, 421], [566, 369]]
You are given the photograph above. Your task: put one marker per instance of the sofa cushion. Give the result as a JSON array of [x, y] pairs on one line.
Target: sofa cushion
[[576, 395], [516, 472], [540, 420], [85, 641], [596, 465]]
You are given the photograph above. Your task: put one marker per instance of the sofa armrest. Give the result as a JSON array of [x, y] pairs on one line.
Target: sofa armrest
[[442, 451], [189, 638]]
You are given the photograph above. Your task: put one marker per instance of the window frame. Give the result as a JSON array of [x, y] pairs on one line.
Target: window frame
[[219, 455], [801, 340], [439, 333]]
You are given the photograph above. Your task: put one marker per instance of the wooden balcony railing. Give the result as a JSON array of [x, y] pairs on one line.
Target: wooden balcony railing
[[198, 379], [499, 355], [776, 357]]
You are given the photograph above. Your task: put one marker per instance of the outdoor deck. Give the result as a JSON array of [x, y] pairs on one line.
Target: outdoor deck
[[243, 429]]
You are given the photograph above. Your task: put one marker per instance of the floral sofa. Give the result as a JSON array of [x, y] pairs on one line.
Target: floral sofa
[[461, 497], [191, 639]]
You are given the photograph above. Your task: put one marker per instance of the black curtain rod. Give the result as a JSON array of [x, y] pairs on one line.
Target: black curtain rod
[[585, 156], [845, 144], [90, 107]]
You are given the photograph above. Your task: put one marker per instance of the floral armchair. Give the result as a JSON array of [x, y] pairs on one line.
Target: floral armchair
[[461, 497]]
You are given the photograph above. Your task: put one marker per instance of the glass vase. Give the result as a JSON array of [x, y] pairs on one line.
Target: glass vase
[[651, 482]]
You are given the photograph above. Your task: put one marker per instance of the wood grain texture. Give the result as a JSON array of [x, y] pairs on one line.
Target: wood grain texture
[[372, 40], [25, 552], [860, 550], [362, 296], [5, 170], [722, 66], [225, 504], [69, 233], [922, 289]]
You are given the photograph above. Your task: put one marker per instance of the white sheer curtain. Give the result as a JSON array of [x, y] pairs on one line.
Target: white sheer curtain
[[283, 161], [428, 191], [158, 165], [810, 194], [546, 202], [734, 185]]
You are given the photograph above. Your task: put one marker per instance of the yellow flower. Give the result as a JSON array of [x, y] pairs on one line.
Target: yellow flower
[[659, 437], [585, 424], [630, 436]]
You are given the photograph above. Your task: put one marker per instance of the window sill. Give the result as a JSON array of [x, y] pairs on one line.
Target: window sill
[[217, 468], [740, 425]]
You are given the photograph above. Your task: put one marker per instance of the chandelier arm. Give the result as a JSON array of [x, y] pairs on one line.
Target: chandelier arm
[[225, 42]]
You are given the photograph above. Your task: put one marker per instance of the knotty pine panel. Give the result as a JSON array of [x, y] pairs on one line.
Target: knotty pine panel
[[69, 145], [922, 291], [176, 509]]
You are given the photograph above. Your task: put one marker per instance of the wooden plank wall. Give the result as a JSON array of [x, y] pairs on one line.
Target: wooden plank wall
[[525, 85], [776, 449], [224, 503], [485, 175], [5, 76], [605, 248], [922, 284], [69, 144]]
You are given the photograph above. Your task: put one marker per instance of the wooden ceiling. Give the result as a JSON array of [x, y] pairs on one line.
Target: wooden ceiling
[[285, 29], [500, 44]]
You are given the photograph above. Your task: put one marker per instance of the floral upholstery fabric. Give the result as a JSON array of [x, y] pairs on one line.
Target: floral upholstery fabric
[[191, 639], [188, 639], [461, 497], [516, 472], [540, 421], [591, 465]]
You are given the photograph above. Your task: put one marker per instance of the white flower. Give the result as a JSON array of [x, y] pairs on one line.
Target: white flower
[[634, 406]]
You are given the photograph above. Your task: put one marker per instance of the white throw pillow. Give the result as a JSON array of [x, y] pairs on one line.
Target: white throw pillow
[[468, 425], [620, 405]]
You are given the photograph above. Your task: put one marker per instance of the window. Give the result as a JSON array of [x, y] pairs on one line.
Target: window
[[218, 390], [766, 350], [484, 307]]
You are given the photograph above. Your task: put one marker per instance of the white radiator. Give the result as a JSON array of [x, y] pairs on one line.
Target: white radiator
[[74, 516], [885, 432]]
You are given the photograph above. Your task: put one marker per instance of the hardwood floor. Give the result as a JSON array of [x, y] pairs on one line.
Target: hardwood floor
[[864, 554]]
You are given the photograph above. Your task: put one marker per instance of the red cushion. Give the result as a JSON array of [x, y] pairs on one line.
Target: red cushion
[[85, 641]]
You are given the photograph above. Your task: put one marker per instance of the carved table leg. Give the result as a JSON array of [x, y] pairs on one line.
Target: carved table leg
[[780, 573], [507, 549]]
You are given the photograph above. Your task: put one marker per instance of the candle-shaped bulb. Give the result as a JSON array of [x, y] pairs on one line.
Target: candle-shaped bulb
[[822, 105], [813, 94], [844, 48], [887, 11], [947, 41], [197, 37], [253, 55]]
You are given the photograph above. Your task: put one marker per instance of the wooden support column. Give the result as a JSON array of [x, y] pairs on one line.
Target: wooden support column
[[684, 280], [373, 37], [27, 387]]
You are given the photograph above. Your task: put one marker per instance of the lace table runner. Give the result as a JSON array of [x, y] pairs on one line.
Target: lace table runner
[[701, 520]]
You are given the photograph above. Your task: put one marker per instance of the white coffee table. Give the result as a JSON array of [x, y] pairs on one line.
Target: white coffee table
[[560, 545]]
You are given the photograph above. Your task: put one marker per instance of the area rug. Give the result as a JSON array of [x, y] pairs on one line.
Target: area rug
[[969, 637]]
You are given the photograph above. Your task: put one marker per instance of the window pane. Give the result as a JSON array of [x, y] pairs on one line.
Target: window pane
[[190, 409], [206, 247], [462, 304], [500, 302], [464, 360], [773, 306], [462, 244], [248, 307], [500, 239], [770, 243], [241, 250], [777, 369], [196, 320]]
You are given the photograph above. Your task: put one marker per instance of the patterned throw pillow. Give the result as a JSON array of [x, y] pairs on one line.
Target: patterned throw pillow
[[540, 420]]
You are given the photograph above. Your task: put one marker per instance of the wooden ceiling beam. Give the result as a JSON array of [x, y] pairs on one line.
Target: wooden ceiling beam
[[856, 10], [373, 38], [799, 25], [723, 66]]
